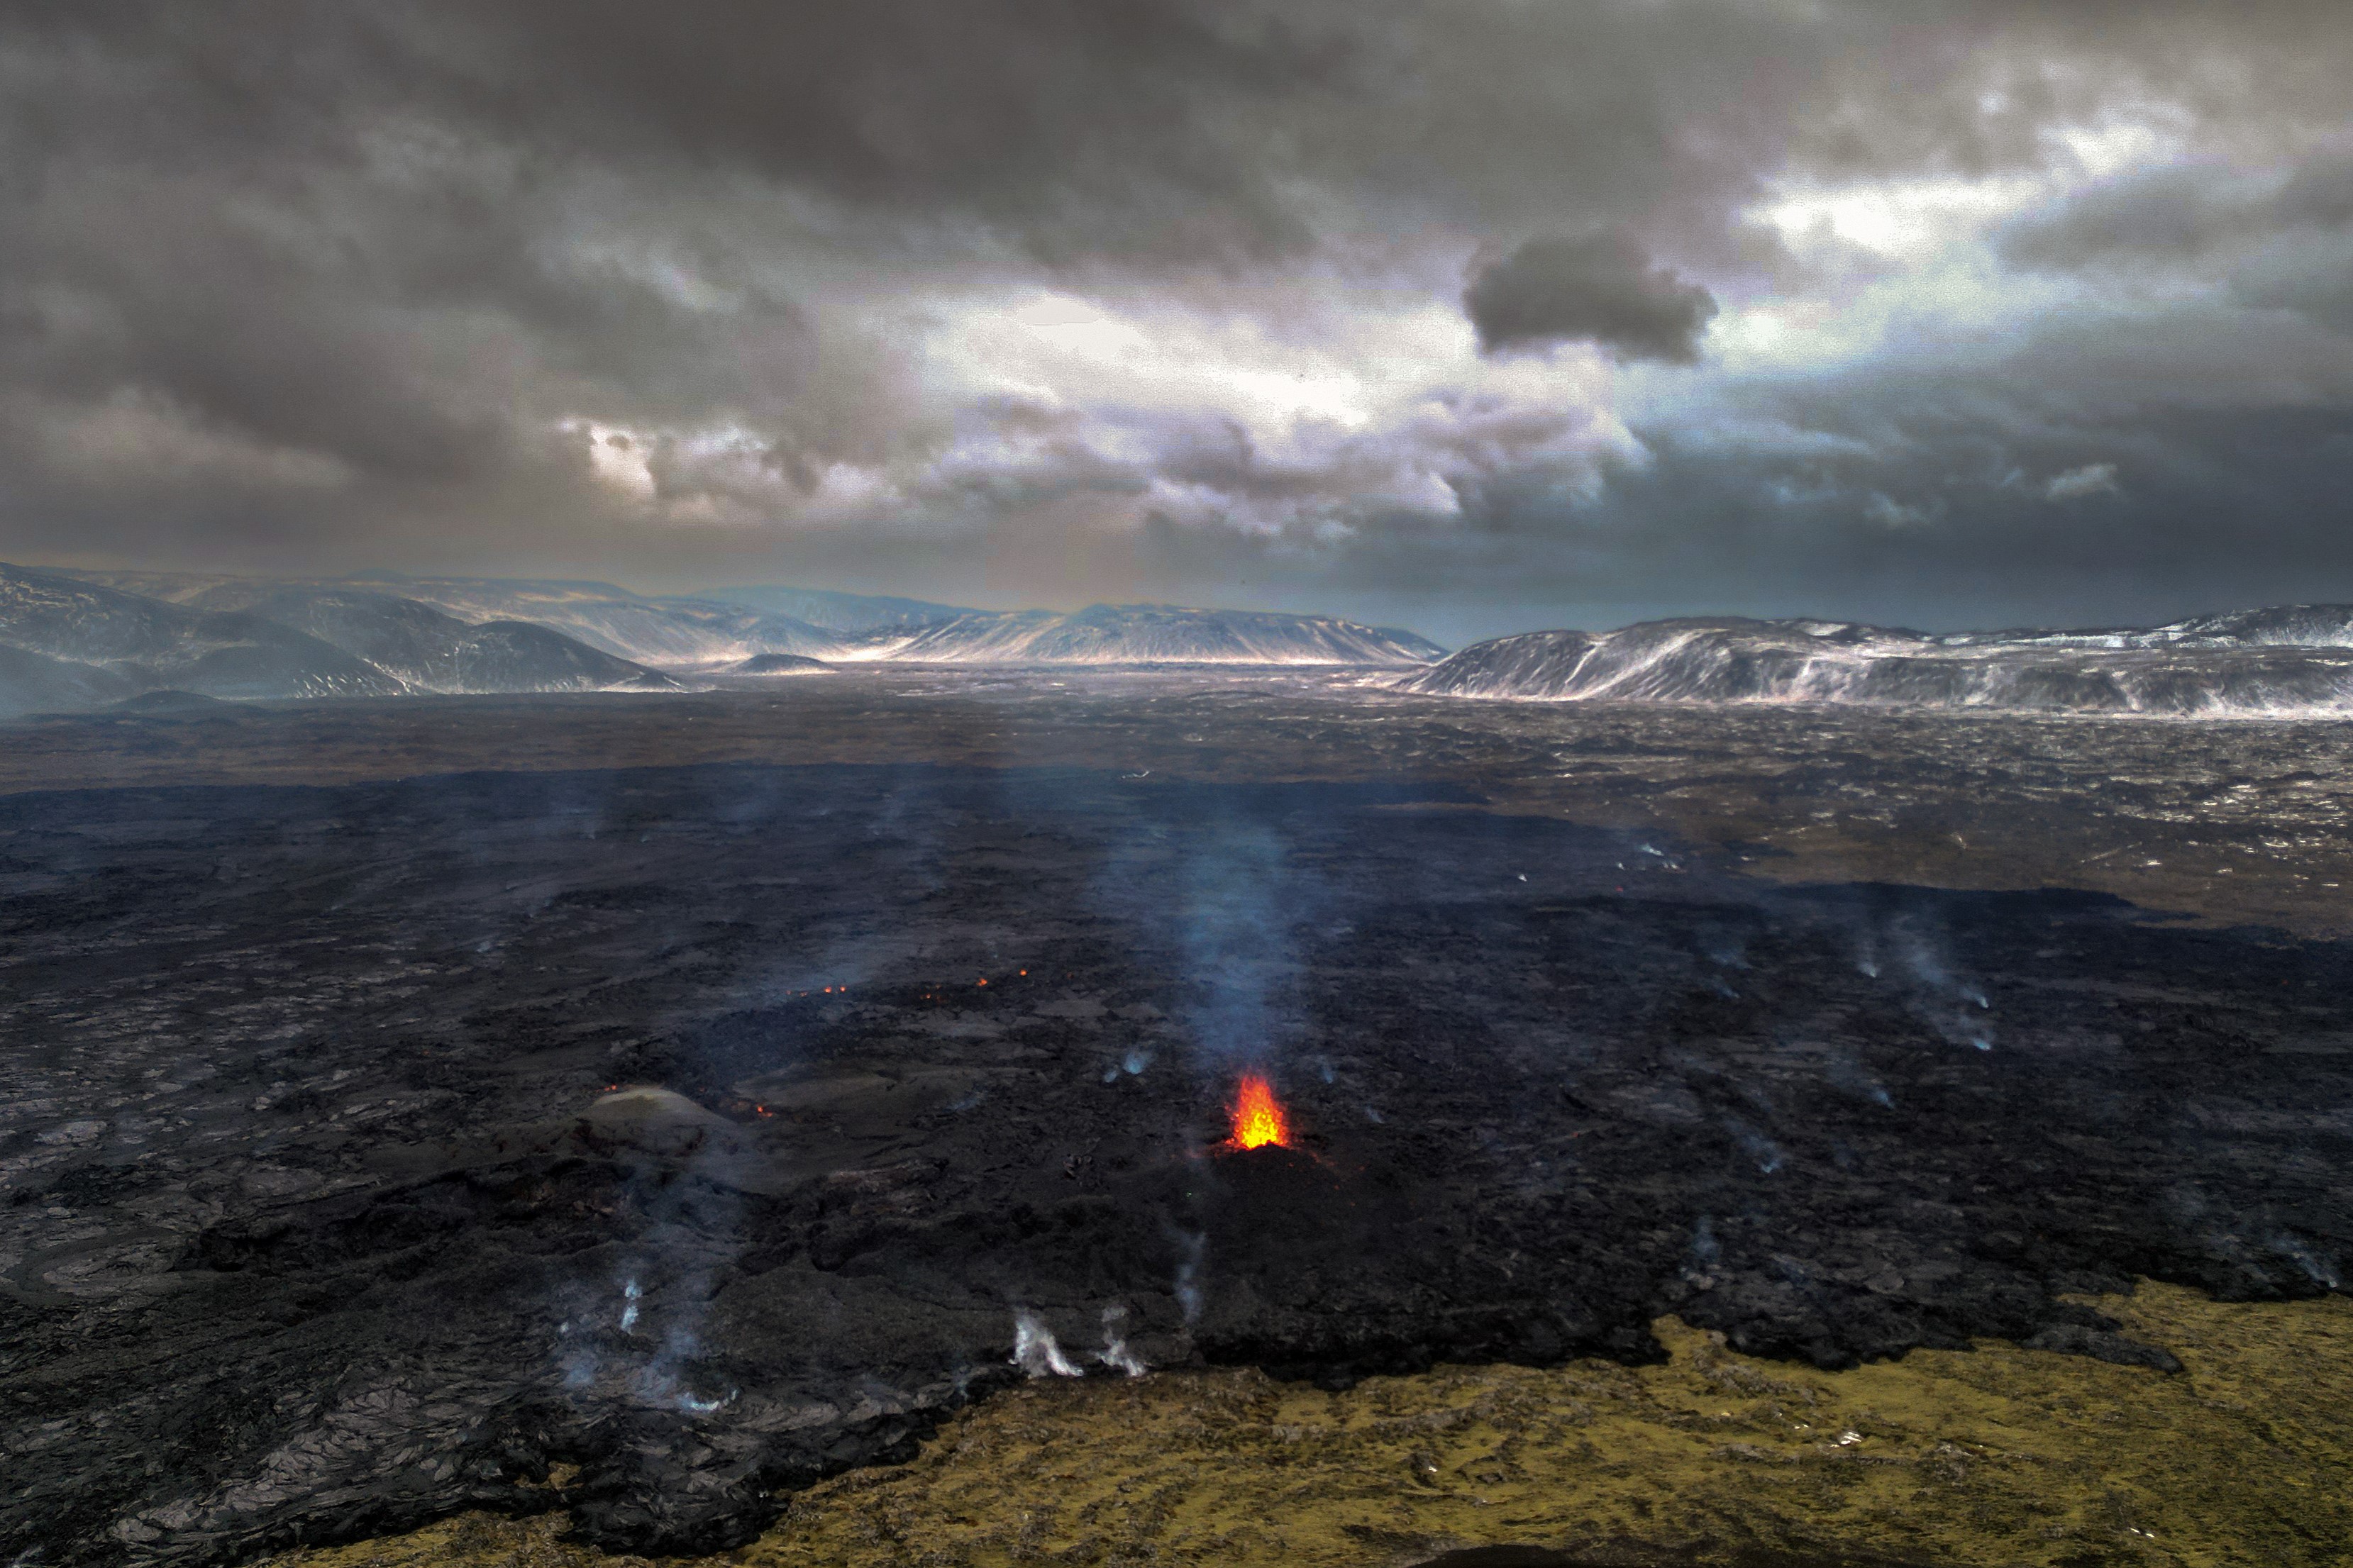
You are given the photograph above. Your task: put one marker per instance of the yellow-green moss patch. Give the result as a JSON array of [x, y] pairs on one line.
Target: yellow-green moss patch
[[2000, 1457]]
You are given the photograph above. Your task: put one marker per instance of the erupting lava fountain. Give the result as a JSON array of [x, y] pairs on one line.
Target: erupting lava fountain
[[1258, 1115]]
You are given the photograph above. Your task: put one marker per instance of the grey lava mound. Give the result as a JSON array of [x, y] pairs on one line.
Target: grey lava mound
[[781, 664], [2295, 660]]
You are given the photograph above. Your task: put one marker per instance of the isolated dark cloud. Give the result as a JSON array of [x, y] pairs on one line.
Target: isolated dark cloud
[[1044, 300], [1601, 289]]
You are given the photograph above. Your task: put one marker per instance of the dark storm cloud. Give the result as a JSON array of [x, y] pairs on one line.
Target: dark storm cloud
[[2172, 214], [2183, 216], [708, 288], [1703, 528], [1599, 288], [283, 272], [2079, 479], [2278, 243]]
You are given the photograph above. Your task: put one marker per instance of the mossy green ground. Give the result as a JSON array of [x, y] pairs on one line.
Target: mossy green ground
[[1996, 1456]]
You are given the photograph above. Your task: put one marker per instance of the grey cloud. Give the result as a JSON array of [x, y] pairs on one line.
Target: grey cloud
[[1904, 493], [2079, 483], [1739, 534], [2322, 293], [321, 285], [2182, 216], [2174, 213], [2319, 193], [1599, 288]]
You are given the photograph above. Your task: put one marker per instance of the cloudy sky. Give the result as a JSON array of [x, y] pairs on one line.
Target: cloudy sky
[[1469, 316]]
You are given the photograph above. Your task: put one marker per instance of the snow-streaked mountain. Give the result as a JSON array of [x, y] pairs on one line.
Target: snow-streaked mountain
[[169, 587], [428, 650], [1159, 634], [2281, 626], [716, 632], [2249, 663], [702, 633], [73, 643], [838, 611], [143, 644], [672, 632], [34, 683]]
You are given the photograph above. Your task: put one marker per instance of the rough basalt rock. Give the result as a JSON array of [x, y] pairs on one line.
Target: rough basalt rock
[[373, 1151]]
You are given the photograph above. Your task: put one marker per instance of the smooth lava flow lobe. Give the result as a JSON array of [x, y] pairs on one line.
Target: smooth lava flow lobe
[[1258, 1115]]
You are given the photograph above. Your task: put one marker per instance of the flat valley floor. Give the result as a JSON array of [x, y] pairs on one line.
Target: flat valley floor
[[713, 1123]]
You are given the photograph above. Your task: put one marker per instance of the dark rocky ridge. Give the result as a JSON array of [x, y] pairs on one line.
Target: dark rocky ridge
[[316, 1225]]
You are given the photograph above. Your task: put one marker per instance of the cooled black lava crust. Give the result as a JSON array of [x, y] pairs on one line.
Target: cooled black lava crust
[[314, 1227]]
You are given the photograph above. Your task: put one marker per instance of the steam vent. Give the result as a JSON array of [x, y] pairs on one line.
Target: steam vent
[[1177, 784]]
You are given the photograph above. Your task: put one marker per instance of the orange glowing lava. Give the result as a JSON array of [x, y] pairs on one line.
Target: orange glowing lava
[[1258, 1115]]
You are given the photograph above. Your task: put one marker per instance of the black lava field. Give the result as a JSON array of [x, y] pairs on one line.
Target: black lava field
[[375, 1150]]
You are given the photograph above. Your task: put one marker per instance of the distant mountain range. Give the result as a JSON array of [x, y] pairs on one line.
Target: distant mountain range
[[837, 611], [2289, 660], [1161, 634], [68, 642], [669, 632], [73, 640]]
